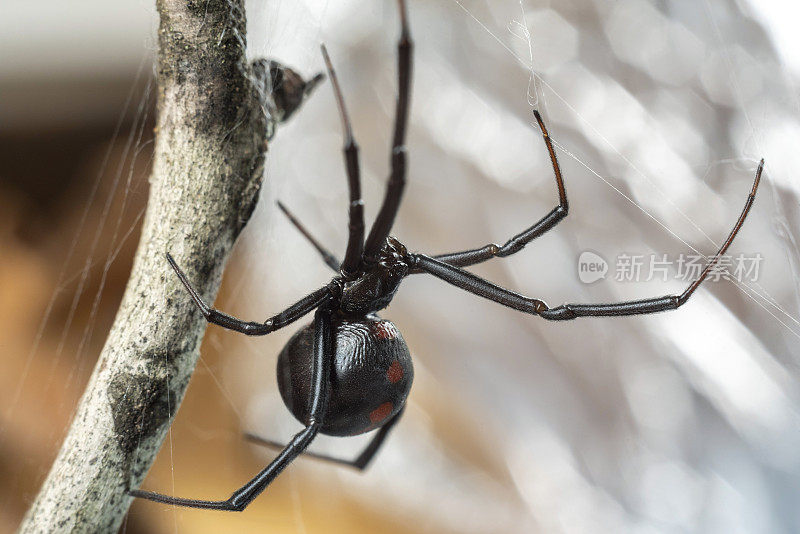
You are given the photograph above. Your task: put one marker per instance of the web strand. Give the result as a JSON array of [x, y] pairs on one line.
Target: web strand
[[529, 66]]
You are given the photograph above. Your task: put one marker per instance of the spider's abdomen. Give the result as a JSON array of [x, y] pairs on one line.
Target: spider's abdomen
[[370, 378]]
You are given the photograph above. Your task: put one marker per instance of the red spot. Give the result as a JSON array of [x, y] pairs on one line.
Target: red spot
[[380, 413], [395, 372], [384, 330]]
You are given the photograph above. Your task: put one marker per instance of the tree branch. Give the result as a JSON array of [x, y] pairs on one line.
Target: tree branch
[[215, 116]]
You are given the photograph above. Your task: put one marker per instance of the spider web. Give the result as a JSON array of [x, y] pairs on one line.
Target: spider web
[[682, 421]]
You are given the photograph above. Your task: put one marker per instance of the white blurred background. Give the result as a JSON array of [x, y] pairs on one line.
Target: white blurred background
[[681, 422]]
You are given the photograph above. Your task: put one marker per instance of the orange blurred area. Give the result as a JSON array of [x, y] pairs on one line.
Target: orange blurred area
[[67, 250], [69, 226], [68, 237]]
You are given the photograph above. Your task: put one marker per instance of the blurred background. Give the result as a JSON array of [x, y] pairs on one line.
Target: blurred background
[[681, 422]]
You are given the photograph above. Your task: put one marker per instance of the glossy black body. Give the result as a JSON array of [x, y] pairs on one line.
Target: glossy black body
[[378, 281], [349, 371], [371, 375]]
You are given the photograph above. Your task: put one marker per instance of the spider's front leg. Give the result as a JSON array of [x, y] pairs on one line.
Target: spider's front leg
[[323, 351], [384, 221], [518, 242], [287, 316], [483, 288]]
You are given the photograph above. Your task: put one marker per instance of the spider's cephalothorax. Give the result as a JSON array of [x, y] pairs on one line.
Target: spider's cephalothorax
[[349, 371], [373, 288]]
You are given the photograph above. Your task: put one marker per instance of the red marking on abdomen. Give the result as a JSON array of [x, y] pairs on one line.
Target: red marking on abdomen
[[395, 372], [384, 330], [380, 413]]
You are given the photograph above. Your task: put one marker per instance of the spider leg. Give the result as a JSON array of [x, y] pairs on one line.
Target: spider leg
[[474, 284], [321, 385], [287, 316], [355, 241], [329, 259], [516, 243], [361, 461], [397, 177]]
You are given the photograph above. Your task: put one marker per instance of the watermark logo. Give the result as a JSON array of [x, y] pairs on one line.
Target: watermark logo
[[686, 267], [591, 267]]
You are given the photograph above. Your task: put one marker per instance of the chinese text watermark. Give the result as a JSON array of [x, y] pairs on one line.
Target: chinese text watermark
[[687, 267]]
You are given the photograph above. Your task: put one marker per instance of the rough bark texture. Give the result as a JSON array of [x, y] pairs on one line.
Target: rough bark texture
[[209, 155]]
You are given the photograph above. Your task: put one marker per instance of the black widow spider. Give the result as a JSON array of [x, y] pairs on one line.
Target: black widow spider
[[349, 371]]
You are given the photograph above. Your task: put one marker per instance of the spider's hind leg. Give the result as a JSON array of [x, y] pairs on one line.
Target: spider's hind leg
[[360, 462], [323, 345]]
